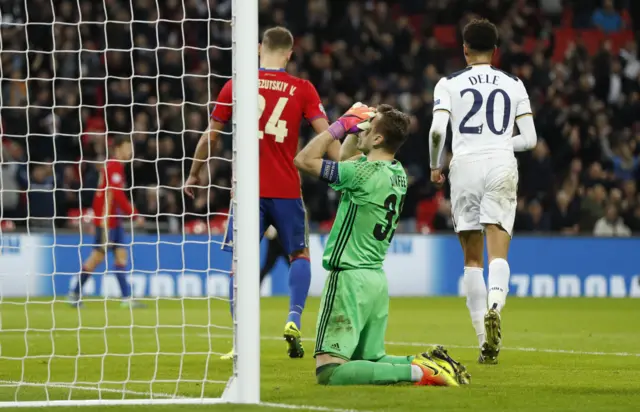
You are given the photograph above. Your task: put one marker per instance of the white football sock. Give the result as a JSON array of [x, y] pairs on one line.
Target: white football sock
[[499, 274], [476, 299], [416, 373]]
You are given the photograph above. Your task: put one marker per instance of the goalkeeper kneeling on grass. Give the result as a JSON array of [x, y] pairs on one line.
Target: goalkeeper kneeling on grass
[[355, 302]]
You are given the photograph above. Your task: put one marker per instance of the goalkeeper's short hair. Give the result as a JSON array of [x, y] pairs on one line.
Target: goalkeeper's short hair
[[393, 126]]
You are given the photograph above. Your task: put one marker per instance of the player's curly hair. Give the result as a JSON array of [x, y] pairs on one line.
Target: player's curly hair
[[393, 126], [480, 35], [277, 38]]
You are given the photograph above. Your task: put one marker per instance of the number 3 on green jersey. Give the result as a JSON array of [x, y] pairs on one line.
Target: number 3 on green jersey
[[373, 194]]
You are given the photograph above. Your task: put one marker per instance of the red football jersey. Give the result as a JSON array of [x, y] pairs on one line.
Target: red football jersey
[[284, 101], [112, 181]]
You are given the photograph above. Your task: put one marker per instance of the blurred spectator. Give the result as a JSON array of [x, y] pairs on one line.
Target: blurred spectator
[[535, 220], [625, 163], [12, 154], [151, 69], [442, 220], [593, 207], [563, 218], [537, 175], [633, 219], [611, 224], [552, 8], [607, 18], [39, 184], [629, 55]]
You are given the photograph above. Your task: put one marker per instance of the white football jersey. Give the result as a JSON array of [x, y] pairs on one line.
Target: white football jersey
[[484, 103]]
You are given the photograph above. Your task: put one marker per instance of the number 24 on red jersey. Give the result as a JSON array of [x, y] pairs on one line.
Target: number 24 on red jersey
[[283, 102]]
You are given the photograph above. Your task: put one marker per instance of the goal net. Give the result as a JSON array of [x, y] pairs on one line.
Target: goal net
[[77, 75]]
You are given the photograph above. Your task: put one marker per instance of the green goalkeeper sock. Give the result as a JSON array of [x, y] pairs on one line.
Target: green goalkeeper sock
[[396, 360], [363, 373]]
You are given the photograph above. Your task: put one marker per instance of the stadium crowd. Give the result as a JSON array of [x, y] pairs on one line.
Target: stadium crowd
[[85, 71]]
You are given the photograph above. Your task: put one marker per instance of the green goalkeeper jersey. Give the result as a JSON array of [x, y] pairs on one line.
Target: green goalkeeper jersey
[[373, 193]]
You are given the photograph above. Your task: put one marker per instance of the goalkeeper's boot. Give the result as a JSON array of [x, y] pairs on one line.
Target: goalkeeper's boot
[[441, 356], [74, 300], [227, 356], [133, 304], [294, 340], [432, 373], [491, 347]]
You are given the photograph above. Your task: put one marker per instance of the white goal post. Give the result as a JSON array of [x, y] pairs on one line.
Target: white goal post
[[245, 385], [36, 369]]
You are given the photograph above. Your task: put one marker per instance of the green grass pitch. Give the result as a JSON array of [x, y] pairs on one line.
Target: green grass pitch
[[559, 355]]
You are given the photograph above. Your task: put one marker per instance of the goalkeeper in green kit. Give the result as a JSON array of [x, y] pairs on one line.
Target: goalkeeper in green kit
[[355, 302]]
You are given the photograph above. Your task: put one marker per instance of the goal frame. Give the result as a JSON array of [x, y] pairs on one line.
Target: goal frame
[[244, 385]]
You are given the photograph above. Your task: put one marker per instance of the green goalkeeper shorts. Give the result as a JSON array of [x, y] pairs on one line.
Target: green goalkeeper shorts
[[353, 315]]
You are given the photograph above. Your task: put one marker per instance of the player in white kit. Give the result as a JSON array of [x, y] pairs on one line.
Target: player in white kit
[[482, 103]]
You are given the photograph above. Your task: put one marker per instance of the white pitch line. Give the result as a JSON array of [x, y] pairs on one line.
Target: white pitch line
[[86, 388], [162, 395], [522, 349], [307, 407], [13, 334], [425, 344]]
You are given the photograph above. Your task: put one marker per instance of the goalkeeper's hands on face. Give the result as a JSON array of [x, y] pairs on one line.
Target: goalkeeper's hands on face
[[354, 121], [357, 118]]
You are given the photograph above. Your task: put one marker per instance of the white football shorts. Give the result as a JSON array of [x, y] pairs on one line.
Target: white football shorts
[[483, 191]]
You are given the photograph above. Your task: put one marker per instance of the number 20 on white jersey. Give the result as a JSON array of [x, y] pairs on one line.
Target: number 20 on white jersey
[[484, 103]]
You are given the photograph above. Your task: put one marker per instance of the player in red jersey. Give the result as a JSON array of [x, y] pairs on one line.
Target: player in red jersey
[[284, 101], [110, 205]]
